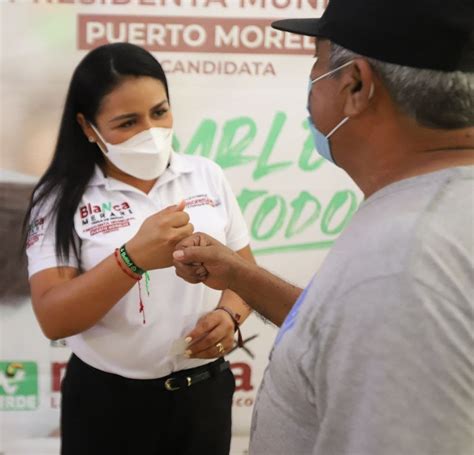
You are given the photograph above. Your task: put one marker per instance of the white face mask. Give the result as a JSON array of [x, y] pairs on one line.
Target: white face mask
[[144, 156]]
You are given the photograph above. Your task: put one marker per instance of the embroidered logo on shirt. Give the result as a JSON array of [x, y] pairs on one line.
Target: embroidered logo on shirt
[[201, 199], [35, 231], [105, 218]]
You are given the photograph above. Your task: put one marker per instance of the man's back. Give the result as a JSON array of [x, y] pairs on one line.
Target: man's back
[[375, 359]]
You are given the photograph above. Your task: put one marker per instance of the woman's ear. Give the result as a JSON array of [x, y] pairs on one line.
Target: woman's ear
[[360, 88], [86, 128]]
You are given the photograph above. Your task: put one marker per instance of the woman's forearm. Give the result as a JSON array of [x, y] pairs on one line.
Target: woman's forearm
[[76, 302]]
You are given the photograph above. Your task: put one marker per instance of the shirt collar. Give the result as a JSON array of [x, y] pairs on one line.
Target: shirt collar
[[178, 165], [98, 178]]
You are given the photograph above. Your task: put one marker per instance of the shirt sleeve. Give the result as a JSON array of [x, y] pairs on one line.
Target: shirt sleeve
[[237, 235], [392, 373], [41, 242]]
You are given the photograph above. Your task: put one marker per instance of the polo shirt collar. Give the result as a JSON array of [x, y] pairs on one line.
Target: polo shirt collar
[[178, 165]]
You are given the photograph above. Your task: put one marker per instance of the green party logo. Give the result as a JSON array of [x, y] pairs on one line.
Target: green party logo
[[18, 386]]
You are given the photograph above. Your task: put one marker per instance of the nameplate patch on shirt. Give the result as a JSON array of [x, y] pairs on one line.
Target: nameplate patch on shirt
[[201, 199], [105, 217]]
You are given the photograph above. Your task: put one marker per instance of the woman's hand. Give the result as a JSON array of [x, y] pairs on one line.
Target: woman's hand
[[212, 337], [153, 245]]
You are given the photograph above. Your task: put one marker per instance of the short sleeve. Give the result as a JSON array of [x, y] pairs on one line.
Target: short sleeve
[[41, 242], [237, 235]]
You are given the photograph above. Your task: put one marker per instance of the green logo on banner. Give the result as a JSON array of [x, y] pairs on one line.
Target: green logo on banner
[[18, 386]]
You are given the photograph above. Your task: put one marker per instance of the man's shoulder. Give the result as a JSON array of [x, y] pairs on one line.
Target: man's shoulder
[[444, 246], [411, 210], [444, 228], [404, 229]]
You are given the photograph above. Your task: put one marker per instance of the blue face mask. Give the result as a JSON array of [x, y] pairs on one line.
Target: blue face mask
[[321, 142]]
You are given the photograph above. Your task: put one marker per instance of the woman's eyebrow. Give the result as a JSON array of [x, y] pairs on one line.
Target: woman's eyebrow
[[134, 114], [123, 116], [160, 104]]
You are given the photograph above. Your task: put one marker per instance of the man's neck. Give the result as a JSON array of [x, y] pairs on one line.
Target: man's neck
[[436, 163], [407, 152]]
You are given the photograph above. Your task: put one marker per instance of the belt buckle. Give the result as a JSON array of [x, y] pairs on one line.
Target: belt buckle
[[169, 384]]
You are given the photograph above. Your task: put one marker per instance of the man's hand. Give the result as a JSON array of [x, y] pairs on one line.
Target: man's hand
[[201, 258]]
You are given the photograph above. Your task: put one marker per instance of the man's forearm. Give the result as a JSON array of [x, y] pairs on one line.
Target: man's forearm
[[221, 268], [267, 294]]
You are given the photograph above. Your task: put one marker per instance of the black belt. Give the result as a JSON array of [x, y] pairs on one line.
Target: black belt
[[173, 382], [182, 379]]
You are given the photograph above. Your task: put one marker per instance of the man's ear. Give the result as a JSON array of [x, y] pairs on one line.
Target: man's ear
[[86, 128], [360, 88]]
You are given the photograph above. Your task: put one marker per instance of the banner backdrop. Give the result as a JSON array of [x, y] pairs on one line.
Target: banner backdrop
[[238, 92]]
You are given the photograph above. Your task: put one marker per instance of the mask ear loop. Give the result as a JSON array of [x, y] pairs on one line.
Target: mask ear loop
[[100, 137], [331, 72], [344, 120]]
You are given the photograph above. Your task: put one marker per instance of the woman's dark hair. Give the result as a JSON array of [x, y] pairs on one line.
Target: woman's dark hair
[[75, 157]]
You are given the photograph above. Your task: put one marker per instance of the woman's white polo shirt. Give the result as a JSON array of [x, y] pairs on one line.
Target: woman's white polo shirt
[[109, 214]]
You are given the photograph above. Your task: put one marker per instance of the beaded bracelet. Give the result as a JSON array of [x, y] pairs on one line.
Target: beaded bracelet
[[235, 318]]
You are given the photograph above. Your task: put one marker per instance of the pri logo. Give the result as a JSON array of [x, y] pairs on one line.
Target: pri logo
[[18, 386]]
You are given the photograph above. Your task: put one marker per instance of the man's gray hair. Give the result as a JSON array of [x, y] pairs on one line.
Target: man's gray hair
[[436, 99]]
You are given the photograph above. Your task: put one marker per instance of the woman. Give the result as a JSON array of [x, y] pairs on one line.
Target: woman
[[109, 211]]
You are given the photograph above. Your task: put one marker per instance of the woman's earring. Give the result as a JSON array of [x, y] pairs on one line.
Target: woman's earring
[[91, 139]]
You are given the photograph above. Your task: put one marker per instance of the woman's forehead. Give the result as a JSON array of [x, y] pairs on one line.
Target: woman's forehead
[[134, 93]]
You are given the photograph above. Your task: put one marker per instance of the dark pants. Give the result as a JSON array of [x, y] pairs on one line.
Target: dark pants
[[106, 414]]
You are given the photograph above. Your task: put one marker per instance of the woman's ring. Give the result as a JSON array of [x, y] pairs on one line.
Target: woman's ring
[[220, 348]]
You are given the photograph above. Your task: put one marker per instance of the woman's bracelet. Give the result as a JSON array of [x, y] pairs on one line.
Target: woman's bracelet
[[129, 262], [129, 271], [124, 269], [236, 319]]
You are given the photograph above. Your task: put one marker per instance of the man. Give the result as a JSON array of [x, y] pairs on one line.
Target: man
[[375, 357]]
